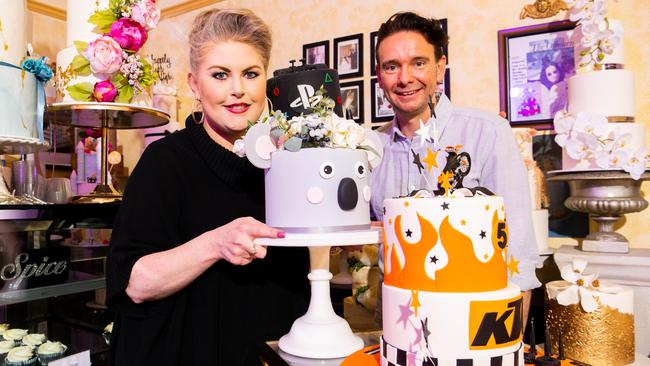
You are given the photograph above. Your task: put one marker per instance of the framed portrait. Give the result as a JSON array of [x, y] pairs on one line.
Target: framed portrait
[[316, 53], [373, 53], [352, 100], [535, 63], [348, 57], [382, 110], [443, 25]]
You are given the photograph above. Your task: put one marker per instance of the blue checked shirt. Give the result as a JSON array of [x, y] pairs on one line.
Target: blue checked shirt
[[496, 165]]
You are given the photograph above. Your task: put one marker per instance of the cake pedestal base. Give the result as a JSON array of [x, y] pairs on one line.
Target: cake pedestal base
[[605, 246], [320, 333]]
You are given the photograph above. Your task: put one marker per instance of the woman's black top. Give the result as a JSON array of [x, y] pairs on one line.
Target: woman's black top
[[185, 185]]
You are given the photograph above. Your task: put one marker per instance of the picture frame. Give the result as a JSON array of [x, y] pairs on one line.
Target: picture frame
[[381, 110], [352, 100], [443, 25], [373, 53], [526, 56], [316, 53], [348, 56], [445, 86]]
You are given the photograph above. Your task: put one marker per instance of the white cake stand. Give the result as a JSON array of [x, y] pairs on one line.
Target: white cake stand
[[320, 333]]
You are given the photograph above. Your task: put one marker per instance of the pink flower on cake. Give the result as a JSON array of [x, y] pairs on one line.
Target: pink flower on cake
[[146, 13], [104, 91], [104, 56], [129, 34]]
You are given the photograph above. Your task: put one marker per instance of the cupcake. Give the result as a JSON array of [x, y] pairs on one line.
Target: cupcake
[[34, 340], [108, 330], [21, 356], [14, 334], [50, 351], [5, 347]]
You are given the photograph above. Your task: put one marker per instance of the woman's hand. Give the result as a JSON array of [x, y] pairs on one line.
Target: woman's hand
[[234, 241]]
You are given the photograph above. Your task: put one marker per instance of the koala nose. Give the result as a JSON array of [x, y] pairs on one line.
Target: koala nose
[[348, 194]]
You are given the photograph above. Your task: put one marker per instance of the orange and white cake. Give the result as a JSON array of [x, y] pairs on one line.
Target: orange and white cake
[[446, 295]]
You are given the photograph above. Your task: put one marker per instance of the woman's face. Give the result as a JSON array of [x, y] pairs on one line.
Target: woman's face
[[552, 74], [230, 82]]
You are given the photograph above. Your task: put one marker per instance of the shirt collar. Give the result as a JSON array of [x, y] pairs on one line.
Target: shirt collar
[[443, 111]]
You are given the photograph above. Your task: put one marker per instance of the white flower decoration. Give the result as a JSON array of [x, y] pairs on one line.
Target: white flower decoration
[[239, 148], [583, 289]]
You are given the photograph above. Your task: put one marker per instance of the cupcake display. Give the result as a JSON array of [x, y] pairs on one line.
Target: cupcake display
[[50, 351], [34, 340], [15, 334], [5, 347], [21, 356]]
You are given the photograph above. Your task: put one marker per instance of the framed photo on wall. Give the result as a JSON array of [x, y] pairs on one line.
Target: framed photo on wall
[[381, 108], [348, 56], [445, 87], [316, 53], [352, 100], [535, 63], [373, 53]]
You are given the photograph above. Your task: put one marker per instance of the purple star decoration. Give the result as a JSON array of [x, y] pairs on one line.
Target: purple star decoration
[[405, 313]]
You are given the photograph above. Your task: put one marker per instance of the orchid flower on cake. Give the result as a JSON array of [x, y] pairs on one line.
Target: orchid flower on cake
[[117, 73], [601, 93], [317, 167]]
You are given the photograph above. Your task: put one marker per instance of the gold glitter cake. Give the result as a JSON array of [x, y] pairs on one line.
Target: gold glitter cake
[[595, 319]]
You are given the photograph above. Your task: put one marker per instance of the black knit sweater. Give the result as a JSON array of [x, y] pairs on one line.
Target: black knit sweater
[[183, 186]]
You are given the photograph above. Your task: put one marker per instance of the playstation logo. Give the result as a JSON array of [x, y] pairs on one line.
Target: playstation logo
[[305, 99]]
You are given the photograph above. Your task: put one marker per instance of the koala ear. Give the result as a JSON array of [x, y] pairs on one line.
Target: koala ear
[[375, 148], [259, 146]]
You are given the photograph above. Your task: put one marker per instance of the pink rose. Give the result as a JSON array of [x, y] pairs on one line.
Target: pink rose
[[104, 91], [129, 34], [104, 55], [146, 13]]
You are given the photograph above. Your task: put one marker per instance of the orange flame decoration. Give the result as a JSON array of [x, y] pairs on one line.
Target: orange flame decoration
[[463, 272]]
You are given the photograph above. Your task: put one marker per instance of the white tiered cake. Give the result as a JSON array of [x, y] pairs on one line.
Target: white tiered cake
[[599, 130], [22, 97]]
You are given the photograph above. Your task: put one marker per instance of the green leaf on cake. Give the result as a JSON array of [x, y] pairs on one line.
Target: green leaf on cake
[[80, 66], [119, 81], [103, 19], [148, 77], [124, 94], [80, 46], [293, 144], [81, 91]]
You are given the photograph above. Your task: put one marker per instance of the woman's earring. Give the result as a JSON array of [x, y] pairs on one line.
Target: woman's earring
[[270, 104], [196, 108]]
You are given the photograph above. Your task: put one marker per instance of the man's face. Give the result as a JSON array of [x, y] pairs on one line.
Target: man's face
[[408, 73]]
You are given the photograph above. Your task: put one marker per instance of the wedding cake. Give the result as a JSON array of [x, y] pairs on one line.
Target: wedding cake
[[595, 319], [599, 131], [22, 95], [446, 295], [100, 62]]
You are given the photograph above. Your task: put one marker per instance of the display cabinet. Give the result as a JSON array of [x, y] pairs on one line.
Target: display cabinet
[[52, 265]]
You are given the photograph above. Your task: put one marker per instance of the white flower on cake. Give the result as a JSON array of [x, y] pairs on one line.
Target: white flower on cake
[[583, 289], [320, 128], [597, 37], [586, 136]]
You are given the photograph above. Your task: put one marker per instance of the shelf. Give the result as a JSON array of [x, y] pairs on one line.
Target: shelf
[[83, 285]]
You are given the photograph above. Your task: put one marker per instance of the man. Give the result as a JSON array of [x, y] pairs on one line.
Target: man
[[410, 65]]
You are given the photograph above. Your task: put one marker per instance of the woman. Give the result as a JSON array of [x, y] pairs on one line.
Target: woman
[[185, 279], [555, 96]]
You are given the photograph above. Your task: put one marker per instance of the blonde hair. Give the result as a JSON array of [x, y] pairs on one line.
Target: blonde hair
[[240, 25]]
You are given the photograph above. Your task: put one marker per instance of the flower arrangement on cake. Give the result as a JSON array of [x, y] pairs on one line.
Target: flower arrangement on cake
[[586, 136], [112, 56], [320, 128]]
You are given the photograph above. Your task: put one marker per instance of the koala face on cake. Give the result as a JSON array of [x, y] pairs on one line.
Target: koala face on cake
[[315, 181]]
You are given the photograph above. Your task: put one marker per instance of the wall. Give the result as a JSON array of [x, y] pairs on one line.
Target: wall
[[472, 24]]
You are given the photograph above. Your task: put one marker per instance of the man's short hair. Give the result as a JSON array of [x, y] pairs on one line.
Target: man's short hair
[[429, 28]]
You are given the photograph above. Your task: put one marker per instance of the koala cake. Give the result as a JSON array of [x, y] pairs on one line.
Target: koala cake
[[317, 167]]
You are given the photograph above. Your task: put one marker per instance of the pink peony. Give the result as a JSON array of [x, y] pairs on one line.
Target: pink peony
[[129, 34], [104, 91], [146, 13], [104, 55]]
